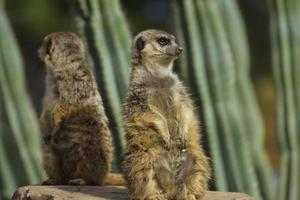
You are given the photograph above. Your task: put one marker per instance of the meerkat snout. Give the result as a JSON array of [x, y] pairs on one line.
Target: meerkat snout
[[179, 50], [174, 51]]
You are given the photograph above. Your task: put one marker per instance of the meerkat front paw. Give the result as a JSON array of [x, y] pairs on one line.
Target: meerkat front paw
[[157, 197], [58, 114], [56, 118], [191, 197], [77, 181]]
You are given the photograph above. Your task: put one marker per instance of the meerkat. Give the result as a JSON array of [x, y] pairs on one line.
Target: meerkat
[[77, 143], [163, 158]]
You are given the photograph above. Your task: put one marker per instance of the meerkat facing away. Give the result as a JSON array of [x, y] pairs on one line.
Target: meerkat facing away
[[163, 159], [77, 146]]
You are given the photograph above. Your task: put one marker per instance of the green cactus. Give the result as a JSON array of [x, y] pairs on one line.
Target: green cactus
[[285, 35], [215, 38], [19, 127], [6, 170], [121, 37], [250, 115], [92, 17]]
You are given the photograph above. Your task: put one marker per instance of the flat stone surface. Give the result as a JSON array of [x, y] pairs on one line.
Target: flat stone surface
[[99, 193]]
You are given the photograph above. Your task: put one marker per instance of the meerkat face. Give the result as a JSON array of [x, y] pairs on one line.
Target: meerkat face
[[61, 48], [157, 47]]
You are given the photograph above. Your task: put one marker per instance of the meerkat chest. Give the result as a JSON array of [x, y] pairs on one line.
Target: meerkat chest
[[166, 101], [172, 106], [169, 105]]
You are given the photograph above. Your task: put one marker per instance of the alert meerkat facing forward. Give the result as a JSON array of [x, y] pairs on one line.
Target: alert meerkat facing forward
[[77, 146], [164, 159]]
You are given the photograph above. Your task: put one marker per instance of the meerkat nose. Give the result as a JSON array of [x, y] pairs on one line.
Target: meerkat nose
[[179, 50]]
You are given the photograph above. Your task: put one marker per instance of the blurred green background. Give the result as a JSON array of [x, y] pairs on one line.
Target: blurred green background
[[250, 30]]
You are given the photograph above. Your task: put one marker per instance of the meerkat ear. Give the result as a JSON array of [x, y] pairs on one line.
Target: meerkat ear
[[139, 44], [48, 46], [45, 48], [137, 47]]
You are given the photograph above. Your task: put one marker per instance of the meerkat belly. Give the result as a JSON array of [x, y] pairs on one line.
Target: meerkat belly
[[171, 170], [169, 107]]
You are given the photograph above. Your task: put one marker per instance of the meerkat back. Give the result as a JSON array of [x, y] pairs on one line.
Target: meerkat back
[[164, 159], [77, 143]]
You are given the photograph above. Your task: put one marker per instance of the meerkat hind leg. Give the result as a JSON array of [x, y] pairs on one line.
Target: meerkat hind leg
[[93, 166], [194, 176], [52, 167], [142, 182], [150, 190]]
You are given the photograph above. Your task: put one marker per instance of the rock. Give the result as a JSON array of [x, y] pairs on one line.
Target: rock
[[99, 193]]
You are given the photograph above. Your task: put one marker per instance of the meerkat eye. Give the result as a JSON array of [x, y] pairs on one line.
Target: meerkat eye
[[163, 41]]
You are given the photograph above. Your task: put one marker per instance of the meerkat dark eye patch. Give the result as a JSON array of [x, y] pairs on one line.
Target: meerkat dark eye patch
[[139, 44], [163, 41]]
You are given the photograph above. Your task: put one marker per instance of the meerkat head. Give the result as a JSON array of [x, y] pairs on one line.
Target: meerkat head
[[155, 47], [61, 48]]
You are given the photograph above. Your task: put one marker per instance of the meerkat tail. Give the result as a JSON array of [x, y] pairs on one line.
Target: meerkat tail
[[114, 179]]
